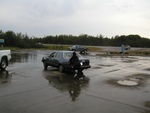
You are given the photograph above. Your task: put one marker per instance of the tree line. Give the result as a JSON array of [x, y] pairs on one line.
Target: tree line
[[19, 40], [24, 41]]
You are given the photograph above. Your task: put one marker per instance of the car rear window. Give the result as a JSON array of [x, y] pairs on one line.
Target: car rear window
[[68, 55]]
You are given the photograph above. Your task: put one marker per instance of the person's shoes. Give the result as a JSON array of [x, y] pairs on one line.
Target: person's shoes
[[76, 71], [75, 75], [81, 78]]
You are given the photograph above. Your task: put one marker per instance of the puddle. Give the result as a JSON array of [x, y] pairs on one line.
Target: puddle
[[5, 77], [130, 81], [127, 82], [66, 83]]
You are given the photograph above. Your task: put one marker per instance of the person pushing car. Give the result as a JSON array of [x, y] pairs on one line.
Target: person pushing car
[[75, 63]]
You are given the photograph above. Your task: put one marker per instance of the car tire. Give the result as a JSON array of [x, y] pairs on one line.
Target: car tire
[[61, 68], [3, 64], [45, 65]]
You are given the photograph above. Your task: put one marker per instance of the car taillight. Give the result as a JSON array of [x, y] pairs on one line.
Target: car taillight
[[81, 63]]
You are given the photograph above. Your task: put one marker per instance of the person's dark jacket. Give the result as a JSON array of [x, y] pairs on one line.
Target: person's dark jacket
[[74, 61]]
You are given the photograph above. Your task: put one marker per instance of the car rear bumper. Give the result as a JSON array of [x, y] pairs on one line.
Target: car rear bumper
[[85, 67], [72, 68]]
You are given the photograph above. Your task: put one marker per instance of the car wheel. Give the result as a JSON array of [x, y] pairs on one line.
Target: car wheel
[[3, 64], [61, 68], [45, 65]]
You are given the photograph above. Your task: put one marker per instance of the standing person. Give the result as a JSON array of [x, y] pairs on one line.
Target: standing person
[[75, 63]]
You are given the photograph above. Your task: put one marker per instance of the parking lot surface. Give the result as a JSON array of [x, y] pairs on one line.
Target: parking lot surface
[[113, 84]]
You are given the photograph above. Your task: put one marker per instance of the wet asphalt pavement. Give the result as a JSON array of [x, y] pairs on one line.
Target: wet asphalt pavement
[[113, 84]]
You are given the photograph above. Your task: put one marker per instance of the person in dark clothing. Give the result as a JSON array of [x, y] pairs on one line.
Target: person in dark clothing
[[75, 63]]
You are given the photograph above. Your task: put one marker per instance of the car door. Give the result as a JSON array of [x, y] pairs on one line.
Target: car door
[[57, 59], [49, 59], [54, 59]]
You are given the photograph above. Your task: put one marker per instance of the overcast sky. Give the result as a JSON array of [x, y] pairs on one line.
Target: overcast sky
[[41, 18]]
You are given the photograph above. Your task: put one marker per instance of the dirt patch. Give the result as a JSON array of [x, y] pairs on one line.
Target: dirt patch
[[147, 104], [96, 67], [148, 69], [130, 61], [101, 66], [112, 70], [105, 65]]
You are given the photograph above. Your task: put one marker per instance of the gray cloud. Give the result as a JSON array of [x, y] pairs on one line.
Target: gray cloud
[[93, 17]]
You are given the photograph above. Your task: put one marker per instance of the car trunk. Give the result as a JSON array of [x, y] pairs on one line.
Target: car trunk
[[85, 62]]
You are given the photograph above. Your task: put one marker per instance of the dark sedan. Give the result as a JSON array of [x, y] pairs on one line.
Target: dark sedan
[[79, 48], [60, 60]]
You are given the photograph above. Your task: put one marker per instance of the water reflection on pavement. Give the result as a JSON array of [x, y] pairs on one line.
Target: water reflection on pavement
[[5, 77], [66, 83], [25, 87]]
